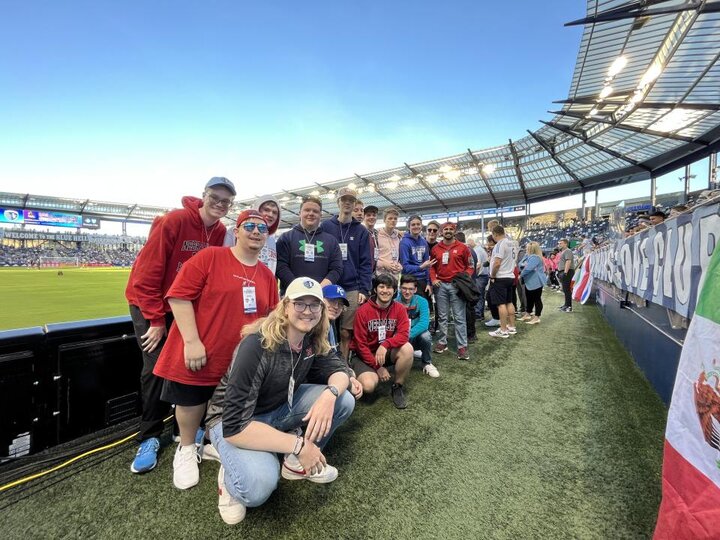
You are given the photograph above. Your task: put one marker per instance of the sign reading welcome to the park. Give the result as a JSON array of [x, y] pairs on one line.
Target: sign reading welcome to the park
[[664, 264]]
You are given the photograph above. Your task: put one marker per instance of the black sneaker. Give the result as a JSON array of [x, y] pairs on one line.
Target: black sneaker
[[398, 396]]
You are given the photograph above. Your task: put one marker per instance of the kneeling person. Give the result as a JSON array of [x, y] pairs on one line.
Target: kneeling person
[[284, 375], [381, 332], [419, 314]]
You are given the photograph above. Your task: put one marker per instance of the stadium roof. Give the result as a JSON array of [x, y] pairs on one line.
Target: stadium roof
[[644, 100]]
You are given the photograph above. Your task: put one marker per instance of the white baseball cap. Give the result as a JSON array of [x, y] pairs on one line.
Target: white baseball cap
[[304, 286]]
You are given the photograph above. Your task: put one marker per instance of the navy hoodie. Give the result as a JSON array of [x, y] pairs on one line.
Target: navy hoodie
[[291, 261], [357, 269], [414, 252]]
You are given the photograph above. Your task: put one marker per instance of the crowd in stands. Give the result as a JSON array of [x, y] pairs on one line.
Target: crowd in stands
[[88, 255]]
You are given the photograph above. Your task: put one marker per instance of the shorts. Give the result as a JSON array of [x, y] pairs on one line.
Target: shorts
[[185, 395], [500, 291], [360, 367], [348, 317]]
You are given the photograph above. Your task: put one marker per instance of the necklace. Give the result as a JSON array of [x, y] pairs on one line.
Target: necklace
[[209, 234], [252, 279]]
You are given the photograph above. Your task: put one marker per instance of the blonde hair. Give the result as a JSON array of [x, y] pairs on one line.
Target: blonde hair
[[273, 329], [533, 248]]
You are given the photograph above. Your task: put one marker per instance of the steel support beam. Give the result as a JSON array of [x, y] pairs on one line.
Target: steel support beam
[[596, 145], [377, 190], [635, 129], [484, 177], [642, 9], [556, 159], [593, 100], [518, 172], [134, 206], [423, 184]]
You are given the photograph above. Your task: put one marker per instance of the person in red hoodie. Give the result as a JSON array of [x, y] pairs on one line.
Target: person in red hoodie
[[381, 333], [451, 258], [216, 293], [172, 241]]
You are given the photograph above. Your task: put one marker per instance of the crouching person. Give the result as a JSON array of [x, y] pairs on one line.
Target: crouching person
[[284, 377], [419, 315], [380, 338]]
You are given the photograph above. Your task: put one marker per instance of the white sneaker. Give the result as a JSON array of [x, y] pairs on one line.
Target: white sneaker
[[185, 467], [231, 510], [431, 370], [209, 453], [511, 330], [292, 470], [499, 333], [492, 322], [417, 354]]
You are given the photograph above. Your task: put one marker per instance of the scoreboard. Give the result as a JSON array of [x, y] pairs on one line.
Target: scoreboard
[[43, 217]]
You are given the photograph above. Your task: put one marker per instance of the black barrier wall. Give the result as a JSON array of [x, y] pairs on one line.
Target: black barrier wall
[[65, 381]]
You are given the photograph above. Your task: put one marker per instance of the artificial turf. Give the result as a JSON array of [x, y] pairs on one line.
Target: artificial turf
[[552, 433], [36, 297]]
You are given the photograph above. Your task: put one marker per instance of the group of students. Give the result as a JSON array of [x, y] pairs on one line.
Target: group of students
[[255, 372]]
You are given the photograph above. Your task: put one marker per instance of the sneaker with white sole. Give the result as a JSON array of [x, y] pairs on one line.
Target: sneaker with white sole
[[292, 470], [492, 322], [534, 320], [208, 453], [499, 333], [431, 371], [146, 457], [511, 330], [231, 510], [186, 473], [417, 354]]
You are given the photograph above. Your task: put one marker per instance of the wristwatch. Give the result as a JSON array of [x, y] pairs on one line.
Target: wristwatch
[[333, 390]]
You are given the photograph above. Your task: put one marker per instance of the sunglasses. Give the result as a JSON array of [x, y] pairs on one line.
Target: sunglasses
[[249, 226], [431, 230]]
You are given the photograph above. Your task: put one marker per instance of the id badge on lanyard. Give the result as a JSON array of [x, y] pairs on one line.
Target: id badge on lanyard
[[310, 252], [249, 300], [382, 333], [446, 257], [291, 391], [343, 250]]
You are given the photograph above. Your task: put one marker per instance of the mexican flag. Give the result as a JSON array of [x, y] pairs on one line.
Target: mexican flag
[[690, 505], [583, 281]]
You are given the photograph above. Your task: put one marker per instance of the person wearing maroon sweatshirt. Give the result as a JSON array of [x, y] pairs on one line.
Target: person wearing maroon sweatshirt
[[380, 338], [172, 241], [451, 258]]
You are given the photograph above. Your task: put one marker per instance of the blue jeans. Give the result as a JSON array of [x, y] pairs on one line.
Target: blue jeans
[[423, 343], [481, 282], [449, 299], [252, 475]]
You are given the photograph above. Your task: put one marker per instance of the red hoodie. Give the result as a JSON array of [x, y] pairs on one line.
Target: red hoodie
[[459, 260], [368, 318], [173, 239]]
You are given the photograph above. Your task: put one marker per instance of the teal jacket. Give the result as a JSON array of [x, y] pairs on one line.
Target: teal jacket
[[419, 314]]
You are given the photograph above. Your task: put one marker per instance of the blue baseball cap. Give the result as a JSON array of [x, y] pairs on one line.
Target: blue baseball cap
[[335, 291], [221, 181]]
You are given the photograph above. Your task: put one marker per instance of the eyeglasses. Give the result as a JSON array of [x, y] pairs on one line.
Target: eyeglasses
[[249, 226], [217, 201], [431, 230], [300, 307], [407, 289]]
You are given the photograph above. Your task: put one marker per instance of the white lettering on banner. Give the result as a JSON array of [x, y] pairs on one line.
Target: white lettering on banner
[[666, 263]]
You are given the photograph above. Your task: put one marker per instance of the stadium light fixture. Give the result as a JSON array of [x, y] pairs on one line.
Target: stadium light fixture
[[370, 188], [330, 195], [433, 178], [352, 185], [593, 111], [617, 66], [394, 178], [489, 168], [411, 182], [315, 193], [605, 92], [445, 168], [453, 175], [391, 185], [651, 74]]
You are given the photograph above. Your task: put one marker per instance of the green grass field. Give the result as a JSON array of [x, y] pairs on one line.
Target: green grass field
[[40, 297], [553, 433]]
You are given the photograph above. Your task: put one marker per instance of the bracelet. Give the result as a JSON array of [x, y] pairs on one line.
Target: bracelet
[[299, 445]]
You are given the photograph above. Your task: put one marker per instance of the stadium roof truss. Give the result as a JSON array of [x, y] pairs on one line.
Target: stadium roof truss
[[644, 100]]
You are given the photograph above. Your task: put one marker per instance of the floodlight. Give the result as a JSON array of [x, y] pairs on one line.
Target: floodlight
[[617, 66], [605, 92]]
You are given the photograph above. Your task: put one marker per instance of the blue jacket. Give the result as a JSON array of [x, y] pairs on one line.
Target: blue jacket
[[414, 252], [533, 273], [357, 269], [291, 261], [419, 313]]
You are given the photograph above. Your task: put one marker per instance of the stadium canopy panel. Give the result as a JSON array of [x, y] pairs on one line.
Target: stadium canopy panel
[[644, 100]]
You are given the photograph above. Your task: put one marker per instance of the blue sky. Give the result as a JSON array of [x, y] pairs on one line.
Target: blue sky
[[144, 101]]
